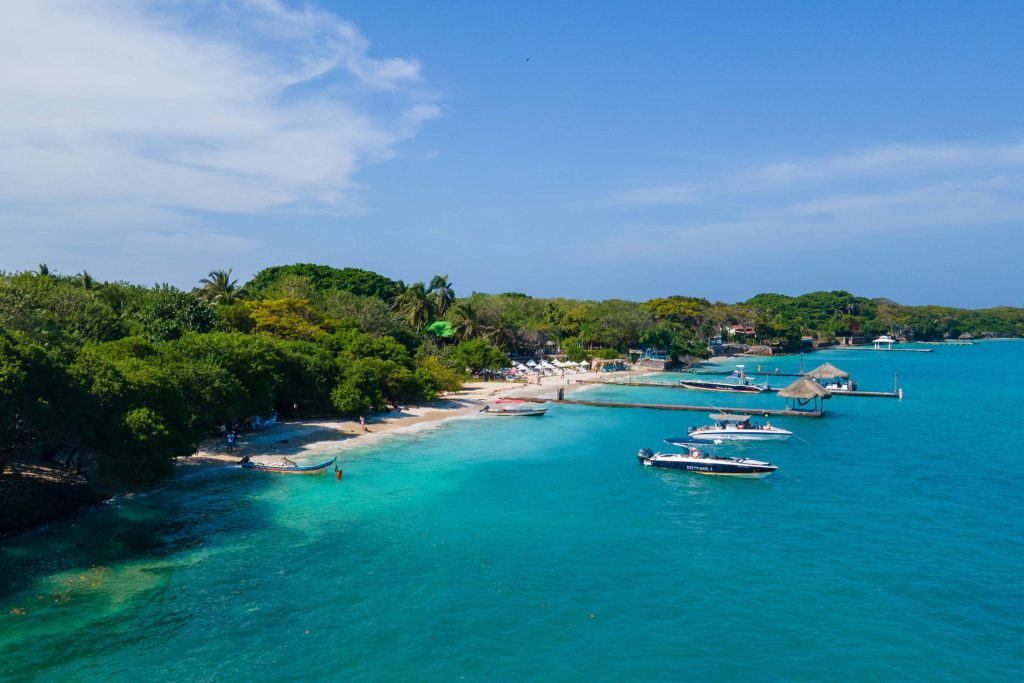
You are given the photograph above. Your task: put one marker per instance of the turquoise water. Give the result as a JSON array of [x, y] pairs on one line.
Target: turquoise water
[[889, 548]]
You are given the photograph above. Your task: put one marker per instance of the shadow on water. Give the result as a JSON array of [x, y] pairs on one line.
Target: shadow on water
[[210, 507]]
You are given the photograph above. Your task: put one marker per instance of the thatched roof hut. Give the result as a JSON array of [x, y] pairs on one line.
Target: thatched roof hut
[[827, 371], [804, 390]]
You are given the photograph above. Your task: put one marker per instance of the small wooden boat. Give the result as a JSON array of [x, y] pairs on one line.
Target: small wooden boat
[[286, 466], [503, 411]]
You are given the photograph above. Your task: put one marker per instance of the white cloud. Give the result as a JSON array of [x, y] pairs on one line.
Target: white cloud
[[162, 109], [880, 189]]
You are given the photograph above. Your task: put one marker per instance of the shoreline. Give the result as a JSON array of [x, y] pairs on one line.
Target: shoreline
[[307, 438], [297, 439]]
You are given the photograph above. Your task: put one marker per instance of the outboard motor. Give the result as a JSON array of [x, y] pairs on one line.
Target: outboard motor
[[644, 455]]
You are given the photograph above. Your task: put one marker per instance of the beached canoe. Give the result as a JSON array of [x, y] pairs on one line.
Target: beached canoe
[[287, 467]]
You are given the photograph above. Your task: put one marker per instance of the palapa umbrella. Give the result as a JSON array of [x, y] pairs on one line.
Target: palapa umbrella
[[827, 371], [805, 390]]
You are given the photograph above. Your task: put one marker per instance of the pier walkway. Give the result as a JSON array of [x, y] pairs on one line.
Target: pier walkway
[[672, 385], [771, 412]]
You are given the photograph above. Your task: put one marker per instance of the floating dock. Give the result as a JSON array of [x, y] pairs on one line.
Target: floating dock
[[667, 385], [871, 348], [771, 412], [729, 372]]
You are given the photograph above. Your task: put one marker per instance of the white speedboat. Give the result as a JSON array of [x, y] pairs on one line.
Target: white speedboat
[[728, 427], [701, 463]]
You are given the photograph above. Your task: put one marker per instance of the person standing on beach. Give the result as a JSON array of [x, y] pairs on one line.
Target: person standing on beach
[[231, 441], [362, 422]]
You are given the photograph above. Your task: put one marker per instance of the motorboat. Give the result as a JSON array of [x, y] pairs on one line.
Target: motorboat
[[727, 427], [737, 382], [698, 462], [513, 409]]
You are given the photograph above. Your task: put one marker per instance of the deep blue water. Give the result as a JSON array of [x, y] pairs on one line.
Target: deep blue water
[[891, 547]]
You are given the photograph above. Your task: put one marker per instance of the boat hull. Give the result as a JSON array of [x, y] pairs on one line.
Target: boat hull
[[711, 467], [739, 435], [536, 412], [296, 469]]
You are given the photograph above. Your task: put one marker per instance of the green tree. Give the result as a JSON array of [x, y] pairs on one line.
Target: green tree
[[169, 313], [477, 355], [324, 279], [441, 294], [414, 306], [286, 319], [219, 288], [465, 321]]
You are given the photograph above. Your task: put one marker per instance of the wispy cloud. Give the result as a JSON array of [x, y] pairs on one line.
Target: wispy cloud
[[158, 110], [885, 188], [899, 163]]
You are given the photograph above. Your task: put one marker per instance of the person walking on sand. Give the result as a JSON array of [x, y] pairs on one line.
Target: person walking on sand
[[362, 422]]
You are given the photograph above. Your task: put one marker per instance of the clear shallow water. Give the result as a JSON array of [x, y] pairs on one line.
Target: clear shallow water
[[486, 549]]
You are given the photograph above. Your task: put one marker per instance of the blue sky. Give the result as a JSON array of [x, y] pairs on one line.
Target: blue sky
[[591, 150]]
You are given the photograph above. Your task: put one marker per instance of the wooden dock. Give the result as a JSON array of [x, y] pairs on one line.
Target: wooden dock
[[729, 372], [871, 348], [771, 412], [898, 393]]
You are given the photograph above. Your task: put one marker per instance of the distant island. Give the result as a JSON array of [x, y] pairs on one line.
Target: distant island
[[109, 382]]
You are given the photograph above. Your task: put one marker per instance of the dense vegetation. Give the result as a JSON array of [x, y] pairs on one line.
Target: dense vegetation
[[116, 379]]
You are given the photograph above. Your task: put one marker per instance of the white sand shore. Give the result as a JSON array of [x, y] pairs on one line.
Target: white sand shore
[[307, 438]]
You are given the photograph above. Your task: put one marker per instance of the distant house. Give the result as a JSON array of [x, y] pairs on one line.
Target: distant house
[[742, 331]]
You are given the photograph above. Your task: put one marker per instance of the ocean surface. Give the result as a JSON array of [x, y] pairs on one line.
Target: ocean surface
[[888, 547]]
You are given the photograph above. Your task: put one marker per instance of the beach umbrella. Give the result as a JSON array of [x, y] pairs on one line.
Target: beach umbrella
[[531, 363], [441, 328]]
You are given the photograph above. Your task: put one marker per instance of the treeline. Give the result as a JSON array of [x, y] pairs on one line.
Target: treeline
[[830, 314], [117, 379]]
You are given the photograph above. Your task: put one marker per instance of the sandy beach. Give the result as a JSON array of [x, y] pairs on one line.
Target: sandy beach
[[307, 438]]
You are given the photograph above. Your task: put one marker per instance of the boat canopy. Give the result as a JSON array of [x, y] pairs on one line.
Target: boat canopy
[[728, 417]]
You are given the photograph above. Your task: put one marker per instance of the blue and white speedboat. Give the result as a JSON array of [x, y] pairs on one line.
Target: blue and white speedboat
[[727, 427], [737, 382], [701, 463]]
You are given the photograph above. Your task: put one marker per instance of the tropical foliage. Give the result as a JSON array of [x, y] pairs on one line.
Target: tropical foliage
[[117, 379]]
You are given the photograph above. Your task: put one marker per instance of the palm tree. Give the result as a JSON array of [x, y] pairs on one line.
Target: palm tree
[[505, 335], [85, 280], [219, 288], [44, 270], [465, 321], [441, 293], [414, 305]]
